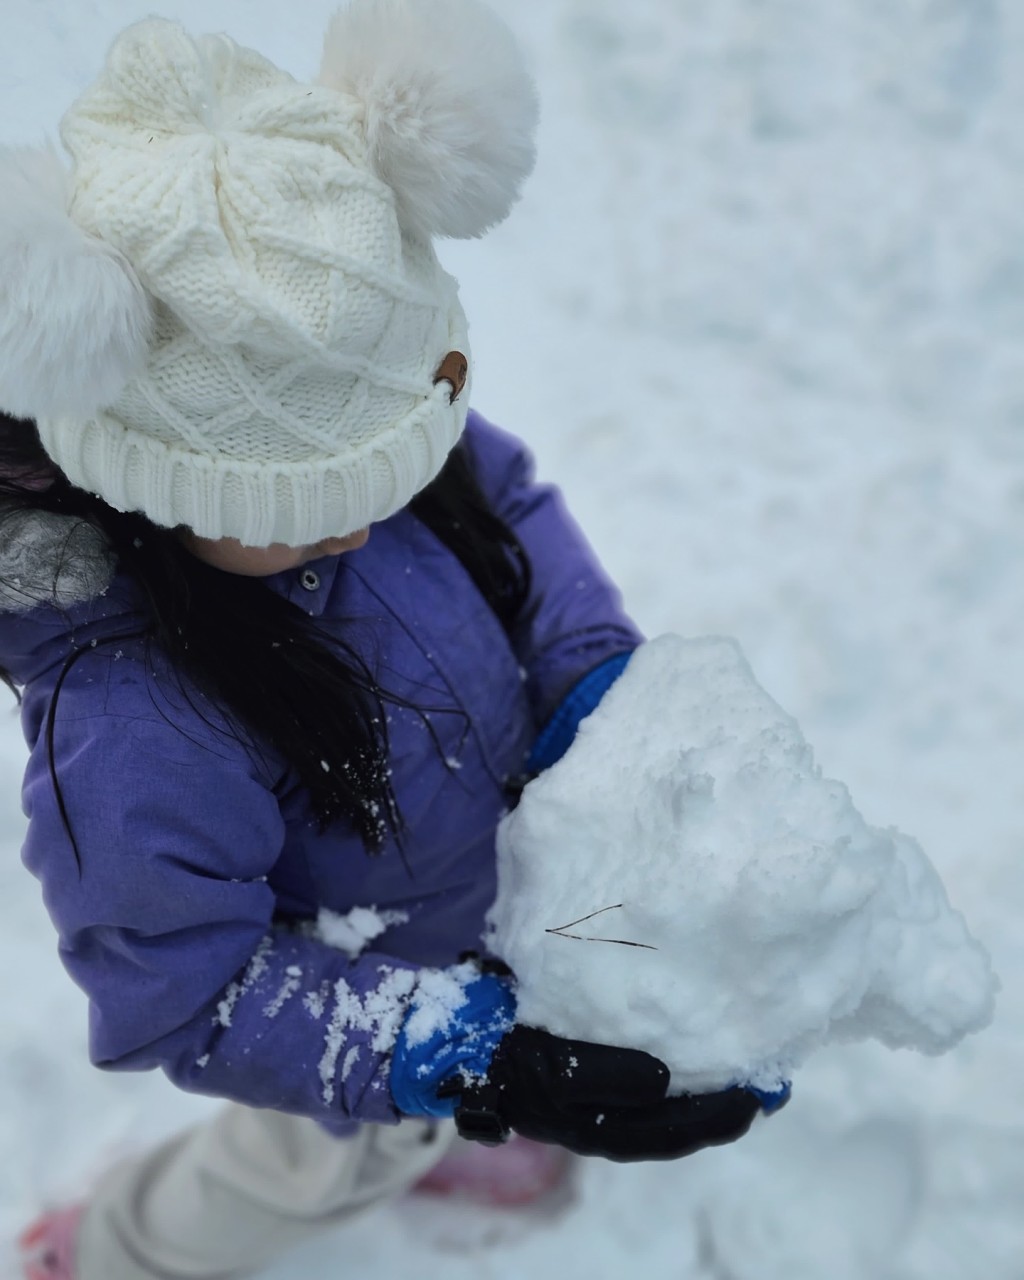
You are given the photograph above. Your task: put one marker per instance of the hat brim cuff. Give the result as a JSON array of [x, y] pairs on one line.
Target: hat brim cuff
[[297, 504]]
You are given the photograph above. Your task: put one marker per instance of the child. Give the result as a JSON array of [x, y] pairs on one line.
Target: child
[[290, 626]]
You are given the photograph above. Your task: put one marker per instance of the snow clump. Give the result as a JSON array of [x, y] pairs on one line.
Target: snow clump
[[744, 913]]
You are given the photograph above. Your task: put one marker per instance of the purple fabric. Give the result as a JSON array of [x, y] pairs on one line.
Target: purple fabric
[[197, 861]]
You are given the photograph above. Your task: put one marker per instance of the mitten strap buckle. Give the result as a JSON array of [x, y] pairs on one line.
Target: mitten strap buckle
[[478, 1118]]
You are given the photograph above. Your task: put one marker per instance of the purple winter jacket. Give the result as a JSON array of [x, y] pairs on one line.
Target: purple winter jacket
[[197, 862]]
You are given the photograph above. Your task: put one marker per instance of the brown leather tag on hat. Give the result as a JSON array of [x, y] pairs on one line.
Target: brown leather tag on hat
[[454, 368]]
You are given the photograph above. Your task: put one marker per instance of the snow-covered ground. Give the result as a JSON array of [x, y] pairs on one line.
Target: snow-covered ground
[[761, 314]]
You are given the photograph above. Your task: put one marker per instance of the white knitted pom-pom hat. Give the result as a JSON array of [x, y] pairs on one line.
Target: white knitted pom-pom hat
[[229, 315]]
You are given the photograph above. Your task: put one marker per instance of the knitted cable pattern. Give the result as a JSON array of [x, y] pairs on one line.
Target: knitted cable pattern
[[288, 394]]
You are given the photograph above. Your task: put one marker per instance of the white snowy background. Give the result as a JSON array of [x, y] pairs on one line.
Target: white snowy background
[[760, 313]]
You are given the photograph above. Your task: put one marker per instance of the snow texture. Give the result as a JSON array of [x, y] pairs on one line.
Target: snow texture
[[379, 1012], [254, 970], [291, 984], [353, 931], [439, 995], [738, 912]]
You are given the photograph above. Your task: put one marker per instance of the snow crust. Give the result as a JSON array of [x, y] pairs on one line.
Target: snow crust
[[356, 929], [686, 882], [379, 1010], [439, 995]]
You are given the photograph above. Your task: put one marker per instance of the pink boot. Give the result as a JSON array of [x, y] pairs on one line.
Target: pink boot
[[48, 1246], [519, 1173]]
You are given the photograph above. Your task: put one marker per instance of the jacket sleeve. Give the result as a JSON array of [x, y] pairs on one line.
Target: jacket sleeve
[[168, 926], [573, 620]]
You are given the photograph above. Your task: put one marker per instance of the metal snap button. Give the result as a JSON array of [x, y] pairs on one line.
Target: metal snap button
[[310, 579]]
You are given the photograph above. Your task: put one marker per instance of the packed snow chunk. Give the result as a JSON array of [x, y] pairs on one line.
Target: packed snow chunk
[[684, 881], [354, 931]]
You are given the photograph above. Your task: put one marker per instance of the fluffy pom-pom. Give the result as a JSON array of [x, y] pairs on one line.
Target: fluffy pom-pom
[[74, 319], [451, 111]]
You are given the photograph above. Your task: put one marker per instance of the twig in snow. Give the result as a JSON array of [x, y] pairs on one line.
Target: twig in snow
[[560, 932]]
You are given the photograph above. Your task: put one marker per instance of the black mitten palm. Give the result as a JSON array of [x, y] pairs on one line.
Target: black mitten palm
[[594, 1100]]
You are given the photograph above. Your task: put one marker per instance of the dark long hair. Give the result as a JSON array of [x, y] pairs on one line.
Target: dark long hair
[[272, 672]]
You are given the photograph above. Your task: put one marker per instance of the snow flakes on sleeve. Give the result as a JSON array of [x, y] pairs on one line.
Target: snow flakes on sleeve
[[316, 1001], [255, 970], [292, 982], [379, 1013]]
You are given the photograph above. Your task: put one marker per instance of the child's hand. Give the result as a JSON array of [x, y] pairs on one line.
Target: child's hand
[[594, 1100], [496, 1076]]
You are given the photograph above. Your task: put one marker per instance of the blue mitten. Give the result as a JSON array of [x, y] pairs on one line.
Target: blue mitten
[[555, 739], [773, 1100], [442, 1039]]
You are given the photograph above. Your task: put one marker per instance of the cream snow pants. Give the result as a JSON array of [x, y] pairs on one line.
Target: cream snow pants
[[224, 1199]]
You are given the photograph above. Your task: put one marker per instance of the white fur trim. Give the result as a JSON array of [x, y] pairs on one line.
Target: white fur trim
[[74, 319], [451, 111], [50, 559]]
